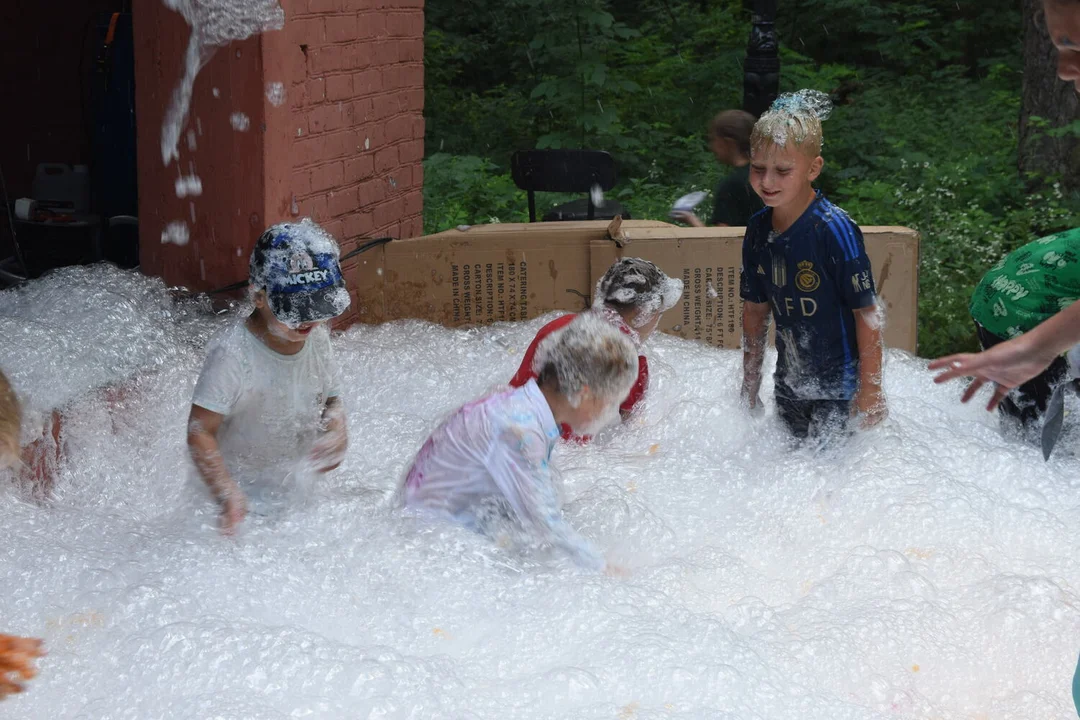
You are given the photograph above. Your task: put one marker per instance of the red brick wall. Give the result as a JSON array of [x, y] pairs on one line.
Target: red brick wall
[[356, 99], [345, 148], [224, 222]]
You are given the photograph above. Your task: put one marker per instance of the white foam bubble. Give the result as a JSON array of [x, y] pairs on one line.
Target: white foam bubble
[[240, 122], [188, 186], [275, 93], [927, 569], [596, 193], [176, 233]]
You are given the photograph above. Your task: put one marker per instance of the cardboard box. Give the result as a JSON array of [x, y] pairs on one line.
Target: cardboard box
[[517, 271], [709, 260]]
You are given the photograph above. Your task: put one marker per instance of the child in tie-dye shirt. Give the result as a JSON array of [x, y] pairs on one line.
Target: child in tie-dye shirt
[[497, 450]]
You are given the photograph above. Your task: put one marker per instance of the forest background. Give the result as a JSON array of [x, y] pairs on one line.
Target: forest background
[[948, 116]]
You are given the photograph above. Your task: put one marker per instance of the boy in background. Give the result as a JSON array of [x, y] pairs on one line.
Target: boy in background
[[734, 200]]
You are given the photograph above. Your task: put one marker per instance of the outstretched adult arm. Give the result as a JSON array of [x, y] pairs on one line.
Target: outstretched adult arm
[[1016, 361]]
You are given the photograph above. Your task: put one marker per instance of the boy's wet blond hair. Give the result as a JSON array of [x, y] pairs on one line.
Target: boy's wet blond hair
[[793, 119]]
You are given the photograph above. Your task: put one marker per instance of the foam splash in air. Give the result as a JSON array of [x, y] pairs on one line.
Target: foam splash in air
[[214, 24], [596, 193], [275, 93], [176, 233], [188, 186], [240, 122]]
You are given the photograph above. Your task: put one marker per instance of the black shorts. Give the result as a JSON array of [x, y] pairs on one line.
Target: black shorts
[[1027, 402], [813, 419]]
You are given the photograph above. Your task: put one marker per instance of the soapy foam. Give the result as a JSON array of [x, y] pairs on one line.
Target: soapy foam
[[926, 569]]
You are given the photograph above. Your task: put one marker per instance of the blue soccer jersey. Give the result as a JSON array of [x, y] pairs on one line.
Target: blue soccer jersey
[[813, 275]]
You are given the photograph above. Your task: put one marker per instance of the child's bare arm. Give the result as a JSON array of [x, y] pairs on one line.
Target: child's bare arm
[[755, 330], [328, 452], [203, 426], [870, 401]]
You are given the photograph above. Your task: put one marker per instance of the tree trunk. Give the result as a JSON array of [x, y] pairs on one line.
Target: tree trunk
[[1047, 97]]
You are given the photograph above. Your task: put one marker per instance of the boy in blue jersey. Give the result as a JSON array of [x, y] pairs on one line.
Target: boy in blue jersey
[[804, 262]]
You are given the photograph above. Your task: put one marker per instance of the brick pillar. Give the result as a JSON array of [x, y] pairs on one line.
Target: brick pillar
[[355, 118], [343, 146], [225, 219]]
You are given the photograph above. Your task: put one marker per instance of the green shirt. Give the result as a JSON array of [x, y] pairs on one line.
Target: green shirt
[[1029, 285], [736, 201]]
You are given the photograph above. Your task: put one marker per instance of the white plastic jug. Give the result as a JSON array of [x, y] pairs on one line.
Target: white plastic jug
[[61, 183]]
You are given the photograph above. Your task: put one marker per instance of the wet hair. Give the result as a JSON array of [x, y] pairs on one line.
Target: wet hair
[[734, 125], [794, 117], [588, 351], [633, 284]]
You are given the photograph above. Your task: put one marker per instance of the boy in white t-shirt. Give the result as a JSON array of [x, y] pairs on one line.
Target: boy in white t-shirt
[[266, 405]]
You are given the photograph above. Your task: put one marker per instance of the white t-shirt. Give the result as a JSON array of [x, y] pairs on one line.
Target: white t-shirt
[[498, 448], [272, 403]]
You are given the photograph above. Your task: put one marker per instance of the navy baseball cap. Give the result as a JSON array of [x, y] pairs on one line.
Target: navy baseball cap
[[296, 264]]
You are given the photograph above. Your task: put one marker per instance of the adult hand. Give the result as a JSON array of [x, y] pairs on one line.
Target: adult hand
[[1006, 365]]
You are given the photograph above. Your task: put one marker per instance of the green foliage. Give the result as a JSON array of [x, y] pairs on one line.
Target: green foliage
[[467, 190], [924, 133]]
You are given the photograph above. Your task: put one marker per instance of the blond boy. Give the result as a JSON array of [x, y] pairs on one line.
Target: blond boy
[[804, 263]]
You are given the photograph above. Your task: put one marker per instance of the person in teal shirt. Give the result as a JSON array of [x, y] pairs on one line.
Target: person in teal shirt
[[1076, 688]]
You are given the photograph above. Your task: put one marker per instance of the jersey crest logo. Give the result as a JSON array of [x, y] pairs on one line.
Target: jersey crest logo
[[806, 279]]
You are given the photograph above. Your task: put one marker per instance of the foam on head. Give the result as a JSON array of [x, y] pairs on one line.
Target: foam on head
[[588, 352], [315, 238], [793, 120], [633, 284], [296, 248]]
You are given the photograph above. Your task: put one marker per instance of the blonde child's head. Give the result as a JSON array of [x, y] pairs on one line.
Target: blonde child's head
[[10, 424], [792, 122], [592, 365], [785, 149]]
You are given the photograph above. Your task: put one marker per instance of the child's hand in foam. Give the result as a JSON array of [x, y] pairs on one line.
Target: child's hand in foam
[[617, 571], [328, 450], [17, 657], [233, 511]]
